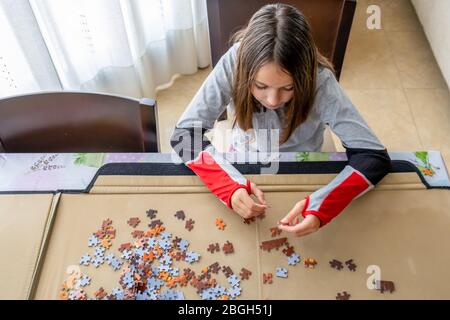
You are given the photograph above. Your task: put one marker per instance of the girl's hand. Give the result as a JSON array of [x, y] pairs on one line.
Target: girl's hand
[[245, 206], [290, 223]]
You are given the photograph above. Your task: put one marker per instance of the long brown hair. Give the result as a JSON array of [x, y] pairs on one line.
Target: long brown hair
[[277, 33]]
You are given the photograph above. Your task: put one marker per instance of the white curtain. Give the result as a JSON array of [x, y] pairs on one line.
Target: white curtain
[[125, 47]]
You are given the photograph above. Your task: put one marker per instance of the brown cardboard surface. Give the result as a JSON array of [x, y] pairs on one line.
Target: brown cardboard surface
[[23, 220], [400, 227]]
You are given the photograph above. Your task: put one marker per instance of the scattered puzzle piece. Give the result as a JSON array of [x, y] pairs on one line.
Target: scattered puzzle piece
[[220, 224], [151, 213], [227, 271], [289, 250], [189, 224], [85, 260], [228, 247], [137, 234], [180, 215], [343, 296], [310, 263], [267, 278], [273, 244], [383, 285], [215, 267], [281, 272], [155, 223], [213, 247], [336, 264], [93, 241], [275, 232], [293, 259], [245, 274], [351, 265], [249, 220], [133, 222]]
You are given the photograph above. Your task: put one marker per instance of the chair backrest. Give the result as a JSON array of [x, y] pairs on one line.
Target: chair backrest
[[78, 122], [330, 20]]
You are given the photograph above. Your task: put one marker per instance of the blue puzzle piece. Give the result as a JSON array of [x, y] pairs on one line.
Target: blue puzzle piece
[[166, 235], [85, 260], [281, 272], [116, 264], [183, 245], [97, 261], [99, 252], [84, 281], [233, 280], [109, 258], [93, 241], [293, 259], [234, 292], [127, 254], [192, 257], [118, 293]]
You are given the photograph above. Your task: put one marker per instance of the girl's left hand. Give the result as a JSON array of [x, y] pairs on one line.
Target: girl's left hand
[[290, 223]]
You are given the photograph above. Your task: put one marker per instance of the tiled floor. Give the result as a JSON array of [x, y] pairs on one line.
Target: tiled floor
[[390, 75]]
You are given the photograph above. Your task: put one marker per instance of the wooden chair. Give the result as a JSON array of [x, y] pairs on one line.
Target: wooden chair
[[77, 122], [330, 20]]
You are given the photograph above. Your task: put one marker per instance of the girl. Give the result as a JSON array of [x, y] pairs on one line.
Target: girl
[[274, 78]]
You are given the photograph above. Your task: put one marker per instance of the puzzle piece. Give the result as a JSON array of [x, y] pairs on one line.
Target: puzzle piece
[[343, 296], [227, 271], [85, 260], [310, 263], [220, 224], [125, 246], [336, 264], [293, 259], [97, 261], [192, 257], [183, 244], [180, 215], [351, 265], [249, 220], [228, 247], [189, 224], [133, 222], [289, 250], [155, 223], [213, 247], [93, 241], [106, 243], [116, 264], [233, 280], [383, 285], [245, 274], [99, 251], [84, 281], [151, 213], [106, 223], [275, 232], [109, 258], [234, 292], [267, 278], [281, 272], [273, 244], [215, 267]]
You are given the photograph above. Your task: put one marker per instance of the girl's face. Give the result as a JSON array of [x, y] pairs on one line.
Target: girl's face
[[272, 87]]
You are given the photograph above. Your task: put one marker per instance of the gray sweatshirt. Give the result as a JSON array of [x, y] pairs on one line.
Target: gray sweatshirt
[[368, 160]]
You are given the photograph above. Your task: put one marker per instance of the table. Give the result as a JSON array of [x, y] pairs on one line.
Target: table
[[400, 228]]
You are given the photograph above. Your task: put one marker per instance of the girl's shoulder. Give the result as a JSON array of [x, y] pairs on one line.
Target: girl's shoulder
[[323, 75]]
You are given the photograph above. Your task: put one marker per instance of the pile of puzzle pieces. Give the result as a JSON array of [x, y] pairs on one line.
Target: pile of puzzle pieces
[[146, 266]]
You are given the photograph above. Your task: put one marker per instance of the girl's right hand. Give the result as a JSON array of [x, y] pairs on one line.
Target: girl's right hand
[[245, 206]]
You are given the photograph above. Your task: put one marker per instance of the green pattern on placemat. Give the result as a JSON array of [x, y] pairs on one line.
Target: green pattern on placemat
[[90, 159]]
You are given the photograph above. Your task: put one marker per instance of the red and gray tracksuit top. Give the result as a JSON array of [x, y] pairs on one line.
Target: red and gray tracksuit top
[[368, 160]]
